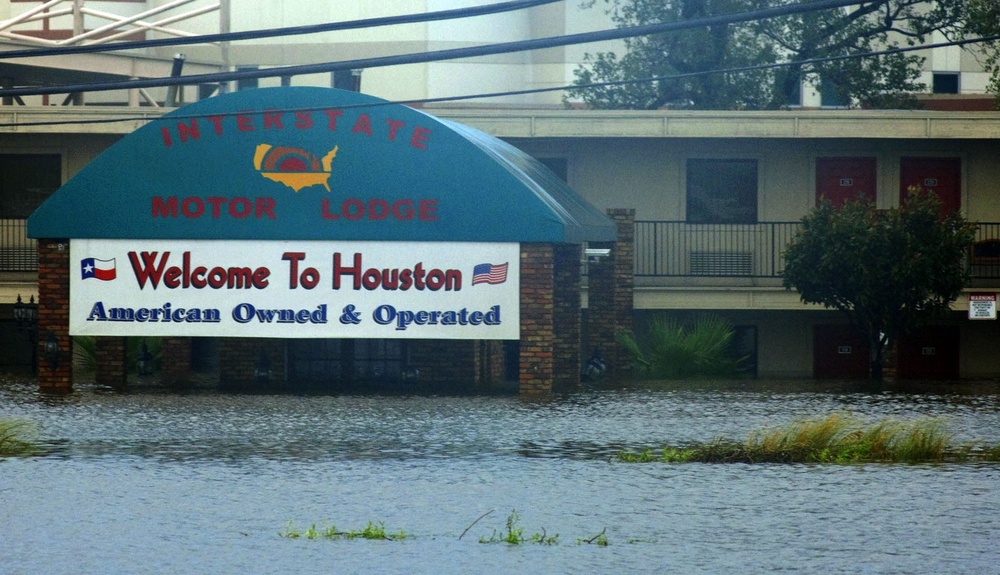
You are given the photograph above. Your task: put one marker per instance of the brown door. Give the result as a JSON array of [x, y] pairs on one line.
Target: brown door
[[841, 179], [839, 352], [943, 176], [930, 353]]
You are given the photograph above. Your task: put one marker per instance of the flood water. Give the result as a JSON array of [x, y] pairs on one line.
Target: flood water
[[156, 481]]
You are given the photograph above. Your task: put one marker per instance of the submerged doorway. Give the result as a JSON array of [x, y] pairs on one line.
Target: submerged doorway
[[346, 362]]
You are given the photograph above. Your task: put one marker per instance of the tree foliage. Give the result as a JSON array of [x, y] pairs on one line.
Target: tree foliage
[[890, 271], [878, 82], [982, 18]]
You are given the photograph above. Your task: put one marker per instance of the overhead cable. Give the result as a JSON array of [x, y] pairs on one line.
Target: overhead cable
[[443, 99], [279, 32], [436, 55]]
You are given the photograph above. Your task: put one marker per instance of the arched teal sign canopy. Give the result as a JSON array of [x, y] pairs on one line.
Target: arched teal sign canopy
[[315, 164]]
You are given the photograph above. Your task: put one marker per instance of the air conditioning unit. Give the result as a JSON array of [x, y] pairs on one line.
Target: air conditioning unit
[[721, 263]]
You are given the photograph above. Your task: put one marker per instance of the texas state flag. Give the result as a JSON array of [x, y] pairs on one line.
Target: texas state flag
[[103, 270]]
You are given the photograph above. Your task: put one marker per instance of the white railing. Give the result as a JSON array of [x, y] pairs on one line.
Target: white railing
[[53, 15]]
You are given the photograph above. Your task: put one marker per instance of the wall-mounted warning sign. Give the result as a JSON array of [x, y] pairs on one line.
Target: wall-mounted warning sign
[[982, 305]]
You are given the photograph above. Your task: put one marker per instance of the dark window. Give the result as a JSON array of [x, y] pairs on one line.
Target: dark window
[[722, 191], [945, 82], [795, 98], [26, 180], [830, 95]]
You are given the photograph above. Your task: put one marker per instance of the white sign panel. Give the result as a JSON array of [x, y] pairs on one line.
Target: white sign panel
[[982, 305], [414, 290]]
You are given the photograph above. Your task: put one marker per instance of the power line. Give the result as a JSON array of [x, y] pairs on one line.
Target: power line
[[441, 99], [437, 55], [280, 32]]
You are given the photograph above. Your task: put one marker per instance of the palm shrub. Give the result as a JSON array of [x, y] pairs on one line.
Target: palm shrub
[[674, 350], [85, 351]]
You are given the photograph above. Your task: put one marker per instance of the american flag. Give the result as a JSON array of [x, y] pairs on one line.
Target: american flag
[[489, 274]]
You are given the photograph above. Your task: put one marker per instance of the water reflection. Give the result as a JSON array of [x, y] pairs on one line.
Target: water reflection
[[153, 480]]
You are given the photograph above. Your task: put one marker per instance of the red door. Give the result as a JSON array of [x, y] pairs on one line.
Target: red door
[[840, 179], [943, 176], [839, 352], [929, 353]]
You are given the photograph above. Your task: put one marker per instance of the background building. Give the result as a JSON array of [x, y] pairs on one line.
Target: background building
[[716, 194]]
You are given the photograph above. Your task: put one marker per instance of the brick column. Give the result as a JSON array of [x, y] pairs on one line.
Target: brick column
[[53, 316], [610, 283], [566, 317], [111, 356], [537, 337], [175, 359], [238, 359], [550, 318]]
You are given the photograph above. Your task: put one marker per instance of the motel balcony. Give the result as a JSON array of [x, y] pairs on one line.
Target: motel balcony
[[676, 253], [667, 253]]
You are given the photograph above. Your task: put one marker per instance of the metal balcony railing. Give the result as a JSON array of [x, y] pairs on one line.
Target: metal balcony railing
[[681, 249], [18, 253]]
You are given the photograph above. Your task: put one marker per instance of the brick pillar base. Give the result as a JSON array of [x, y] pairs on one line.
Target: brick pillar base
[[55, 371], [609, 293], [111, 357], [537, 337], [239, 359], [550, 318], [566, 317], [175, 359]]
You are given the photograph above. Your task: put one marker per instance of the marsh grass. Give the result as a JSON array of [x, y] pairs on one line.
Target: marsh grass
[[17, 437], [834, 439], [373, 531]]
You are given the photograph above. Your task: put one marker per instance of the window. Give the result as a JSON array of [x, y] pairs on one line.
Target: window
[[722, 191], [945, 82], [27, 180], [830, 94]]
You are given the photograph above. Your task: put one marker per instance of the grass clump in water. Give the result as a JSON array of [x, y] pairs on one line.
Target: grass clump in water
[[513, 534], [373, 531], [833, 439], [17, 437]]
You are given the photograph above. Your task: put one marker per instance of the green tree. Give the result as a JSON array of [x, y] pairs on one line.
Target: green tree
[[877, 82], [889, 271], [982, 18]]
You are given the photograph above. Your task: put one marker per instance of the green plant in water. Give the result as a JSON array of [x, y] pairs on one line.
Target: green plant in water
[[601, 539], [85, 352], [17, 437], [513, 534], [833, 439], [674, 351], [373, 531]]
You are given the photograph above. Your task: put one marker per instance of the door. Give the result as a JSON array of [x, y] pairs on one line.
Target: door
[[929, 353], [839, 352], [840, 179], [943, 176]]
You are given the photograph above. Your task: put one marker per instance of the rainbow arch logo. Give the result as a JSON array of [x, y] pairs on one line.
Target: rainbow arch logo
[[294, 167]]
